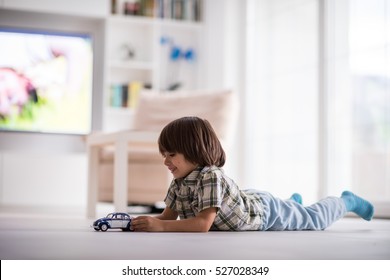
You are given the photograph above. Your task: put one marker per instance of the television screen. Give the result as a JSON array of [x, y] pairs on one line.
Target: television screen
[[45, 81]]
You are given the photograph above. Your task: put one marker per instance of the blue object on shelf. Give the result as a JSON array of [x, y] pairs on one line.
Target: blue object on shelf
[[175, 53], [189, 55], [164, 40]]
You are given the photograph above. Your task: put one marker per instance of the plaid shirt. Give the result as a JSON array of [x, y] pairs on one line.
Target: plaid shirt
[[207, 187]]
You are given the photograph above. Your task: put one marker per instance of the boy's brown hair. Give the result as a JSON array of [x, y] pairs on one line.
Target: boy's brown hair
[[195, 139]]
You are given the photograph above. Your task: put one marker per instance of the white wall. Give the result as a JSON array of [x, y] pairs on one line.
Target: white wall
[[43, 179], [90, 8]]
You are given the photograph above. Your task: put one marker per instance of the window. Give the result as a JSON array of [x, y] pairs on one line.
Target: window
[[282, 87], [318, 84], [358, 95]]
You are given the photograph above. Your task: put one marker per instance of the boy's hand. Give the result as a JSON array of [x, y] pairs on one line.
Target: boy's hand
[[146, 223]]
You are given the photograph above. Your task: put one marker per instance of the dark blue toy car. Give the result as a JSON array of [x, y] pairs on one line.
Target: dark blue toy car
[[114, 220]]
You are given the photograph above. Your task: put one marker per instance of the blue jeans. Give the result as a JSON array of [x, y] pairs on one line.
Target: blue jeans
[[289, 215]]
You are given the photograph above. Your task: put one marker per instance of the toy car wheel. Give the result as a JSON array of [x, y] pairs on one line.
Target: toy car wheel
[[103, 227], [127, 228]]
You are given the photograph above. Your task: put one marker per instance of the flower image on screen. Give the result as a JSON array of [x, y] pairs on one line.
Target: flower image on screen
[[45, 81]]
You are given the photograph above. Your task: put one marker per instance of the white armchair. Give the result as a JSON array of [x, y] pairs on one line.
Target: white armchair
[[125, 167]]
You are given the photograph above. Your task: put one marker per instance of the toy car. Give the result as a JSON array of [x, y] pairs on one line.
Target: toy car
[[114, 220]]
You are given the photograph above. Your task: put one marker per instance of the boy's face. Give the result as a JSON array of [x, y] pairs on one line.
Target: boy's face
[[178, 165]]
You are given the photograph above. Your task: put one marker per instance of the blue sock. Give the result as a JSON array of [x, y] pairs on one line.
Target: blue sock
[[358, 205], [296, 197]]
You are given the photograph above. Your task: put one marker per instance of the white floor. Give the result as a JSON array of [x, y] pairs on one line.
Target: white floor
[[47, 235]]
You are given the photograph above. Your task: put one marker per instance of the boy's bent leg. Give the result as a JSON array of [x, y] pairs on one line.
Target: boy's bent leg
[[296, 197], [289, 215]]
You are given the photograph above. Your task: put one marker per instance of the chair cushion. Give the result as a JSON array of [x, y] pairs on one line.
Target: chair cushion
[[156, 109]]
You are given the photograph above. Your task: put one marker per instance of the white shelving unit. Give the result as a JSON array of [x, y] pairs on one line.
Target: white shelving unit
[[151, 41]]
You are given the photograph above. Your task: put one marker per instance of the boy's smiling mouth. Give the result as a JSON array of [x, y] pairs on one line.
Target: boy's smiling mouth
[[172, 169]]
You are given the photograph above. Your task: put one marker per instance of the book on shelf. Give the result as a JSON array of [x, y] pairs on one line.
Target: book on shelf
[[134, 90], [148, 8], [177, 9], [125, 95], [115, 96], [187, 10]]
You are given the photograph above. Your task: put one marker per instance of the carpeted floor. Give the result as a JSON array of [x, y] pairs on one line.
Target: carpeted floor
[[58, 237]]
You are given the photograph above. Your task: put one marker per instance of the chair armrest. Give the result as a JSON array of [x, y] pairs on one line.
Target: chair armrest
[[120, 141], [103, 139]]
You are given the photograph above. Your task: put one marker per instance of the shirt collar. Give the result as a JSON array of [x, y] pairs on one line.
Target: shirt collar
[[194, 175]]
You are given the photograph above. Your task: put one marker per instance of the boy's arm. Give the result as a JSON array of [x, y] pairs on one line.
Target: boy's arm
[[201, 223], [167, 214]]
